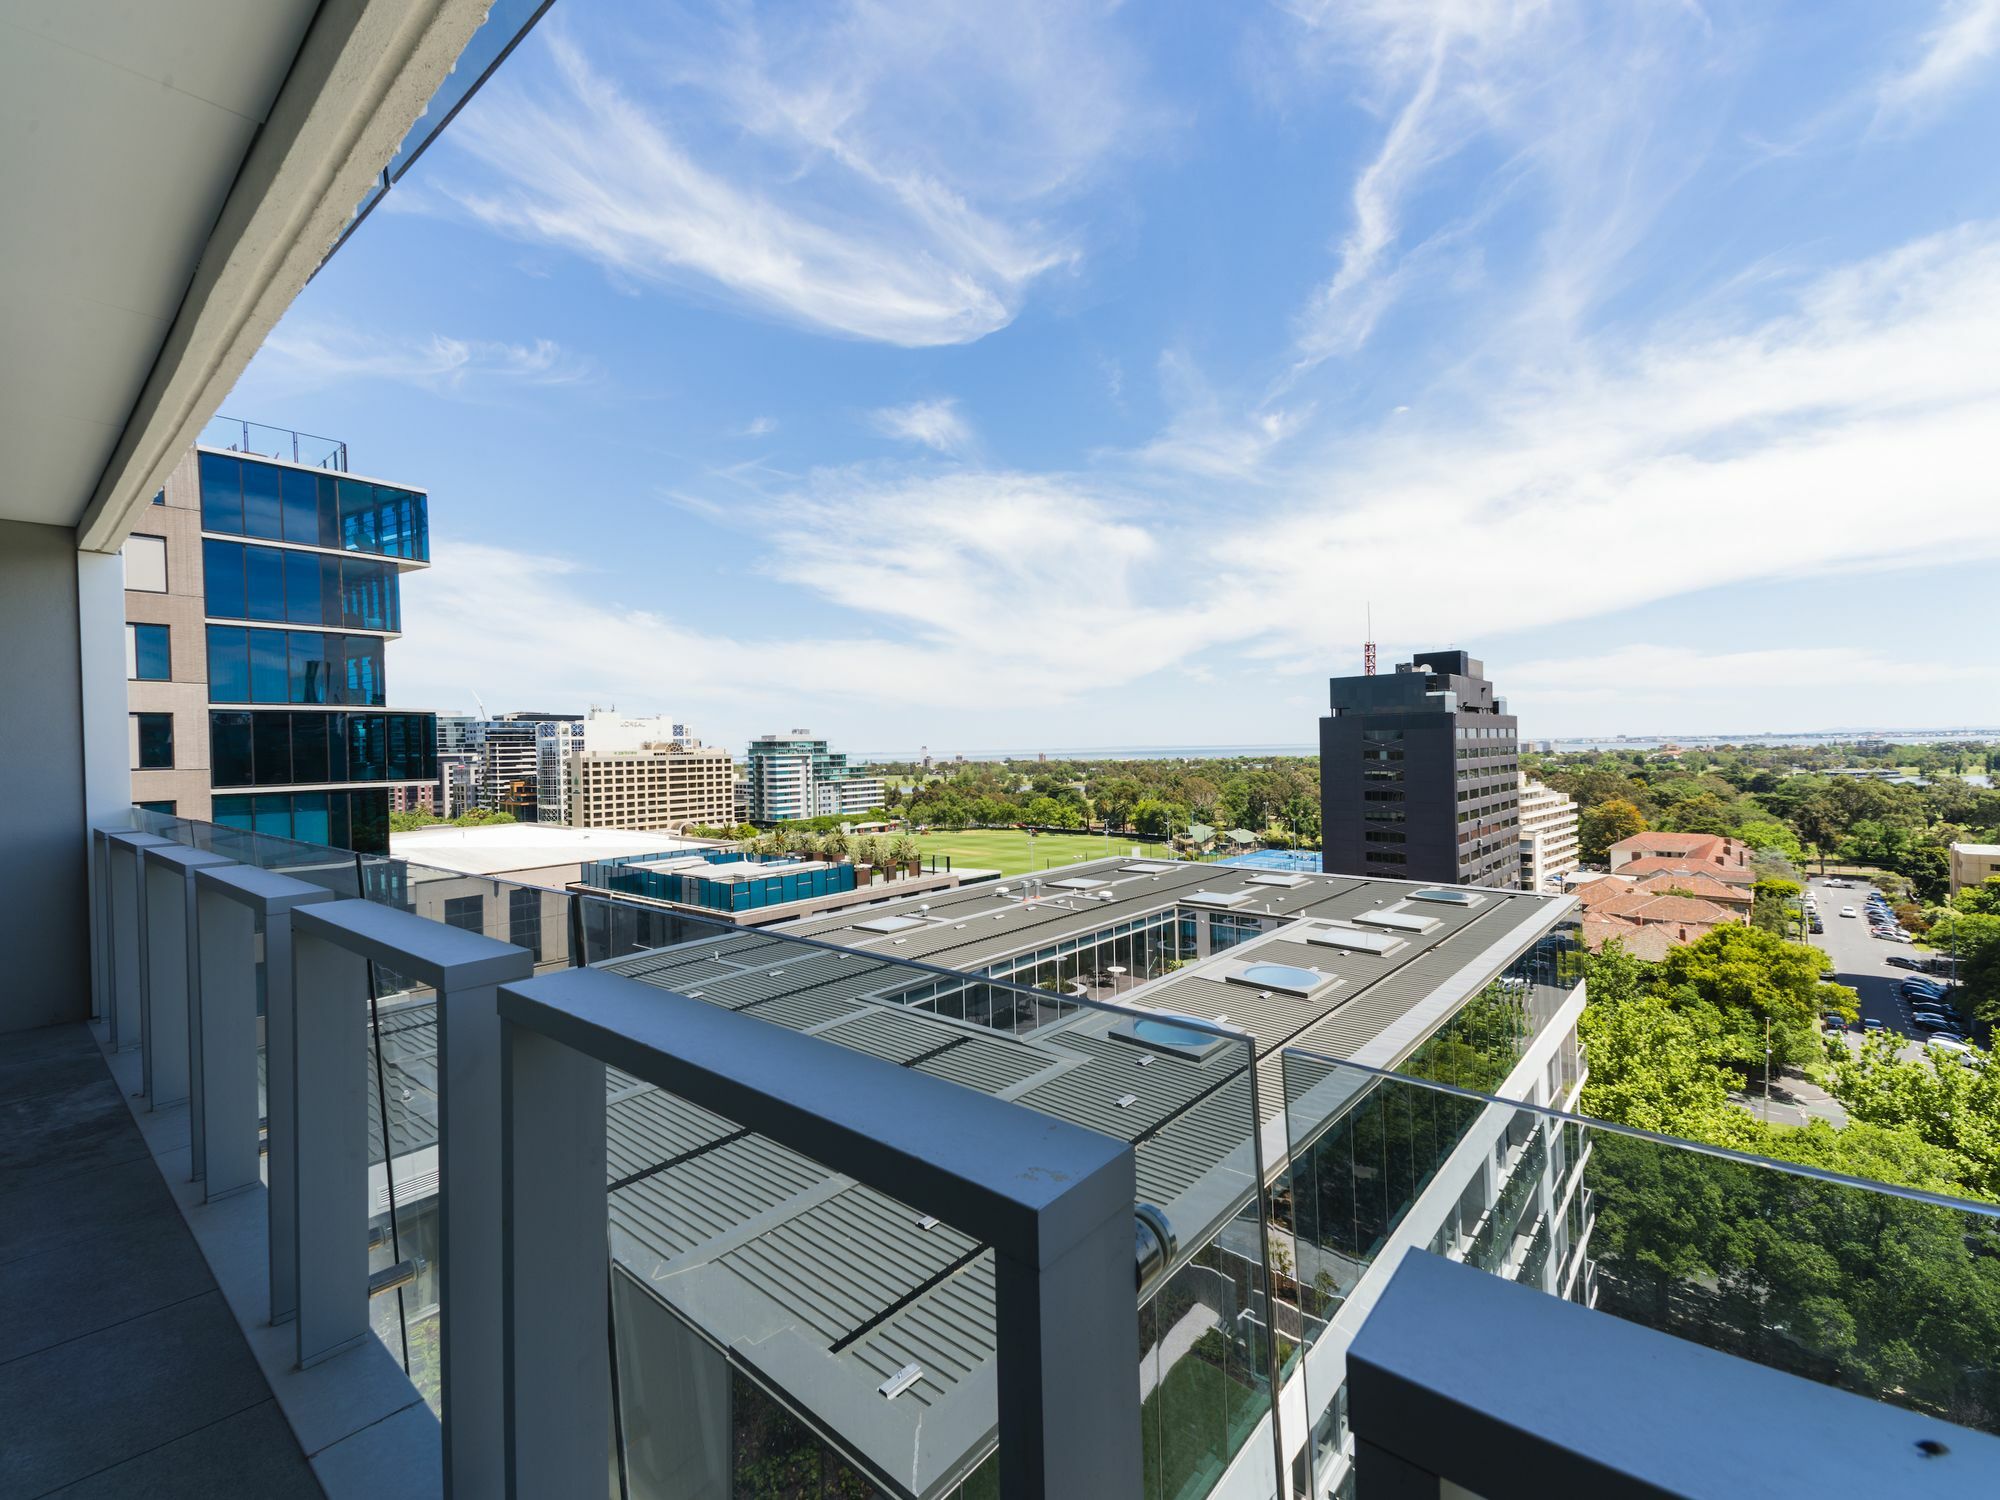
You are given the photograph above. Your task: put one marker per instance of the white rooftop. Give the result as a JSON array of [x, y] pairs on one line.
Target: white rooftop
[[496, 848]]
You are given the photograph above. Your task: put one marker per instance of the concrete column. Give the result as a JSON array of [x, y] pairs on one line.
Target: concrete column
[[107, 751]]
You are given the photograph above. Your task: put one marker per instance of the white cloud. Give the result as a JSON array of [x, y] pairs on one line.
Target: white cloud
[[1649, 673], [757, 427], [881, 171], [1207, 436], [311, 355], [1568, 97], [935, 424], [1859, 430], [1965, 39], [1003, 591]]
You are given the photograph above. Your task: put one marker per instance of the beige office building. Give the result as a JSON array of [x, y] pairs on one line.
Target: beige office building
[[660, 788], [1548, 835], [1971, 864]]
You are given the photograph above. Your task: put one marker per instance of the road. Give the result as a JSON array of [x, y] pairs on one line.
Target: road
[[1860, 961]]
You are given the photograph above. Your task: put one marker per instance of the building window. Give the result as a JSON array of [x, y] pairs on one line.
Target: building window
[[146, 564], [524, 919], [152, 742], [166, 807], [465, 912], [146, 656]]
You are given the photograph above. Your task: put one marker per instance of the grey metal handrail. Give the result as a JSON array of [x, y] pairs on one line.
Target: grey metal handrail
[[1054, 1200]]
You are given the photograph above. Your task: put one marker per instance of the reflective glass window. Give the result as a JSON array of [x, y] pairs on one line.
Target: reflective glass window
[[309, 750], [268, 672], [337, 832], [263, 514], [228, 664], [264, 583], [271, 745], [357, 515], [307, 678], [151, 661], [364, 671], [301, 503], [302, 603], [309, 817], [366, 754], [272, 815], [221, 494], [368, 818], [152, 742], [232, 812], [222, 579], [229, 757]]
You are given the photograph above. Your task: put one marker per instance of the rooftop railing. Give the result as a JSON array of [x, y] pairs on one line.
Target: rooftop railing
[[260, 441]]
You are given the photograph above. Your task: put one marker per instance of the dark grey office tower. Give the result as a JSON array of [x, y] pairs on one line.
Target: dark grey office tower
[[1419, 775]]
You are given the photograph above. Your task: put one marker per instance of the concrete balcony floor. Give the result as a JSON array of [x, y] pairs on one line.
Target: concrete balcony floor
[[122, 1370]]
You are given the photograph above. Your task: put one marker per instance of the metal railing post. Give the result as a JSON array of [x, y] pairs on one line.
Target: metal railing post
[[463, 968], [126, 913], [241, 910], [170, 1009]]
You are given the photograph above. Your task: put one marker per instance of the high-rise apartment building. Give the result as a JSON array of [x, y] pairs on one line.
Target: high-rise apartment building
[[796, 776], [602, 729], [1420, 775], [1548, 835], [259, 596]]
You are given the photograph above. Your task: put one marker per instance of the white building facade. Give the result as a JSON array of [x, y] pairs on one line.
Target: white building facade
[[1548, 836]]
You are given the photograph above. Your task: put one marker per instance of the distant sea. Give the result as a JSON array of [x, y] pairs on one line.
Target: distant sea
[[1103, 752], [1619, 742]]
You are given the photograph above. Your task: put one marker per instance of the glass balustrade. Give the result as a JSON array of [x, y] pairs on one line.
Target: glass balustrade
[[1891, 1294]]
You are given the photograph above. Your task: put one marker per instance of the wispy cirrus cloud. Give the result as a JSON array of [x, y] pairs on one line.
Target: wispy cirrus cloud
[[316, 355], [1963, 42], [936, 424], [1566, 97], [757, 427], [885, 176]]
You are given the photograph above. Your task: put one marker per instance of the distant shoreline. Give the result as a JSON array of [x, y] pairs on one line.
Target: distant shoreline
[[1626, 742]]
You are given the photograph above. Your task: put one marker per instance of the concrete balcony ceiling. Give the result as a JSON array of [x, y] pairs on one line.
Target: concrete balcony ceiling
[[173, 175]]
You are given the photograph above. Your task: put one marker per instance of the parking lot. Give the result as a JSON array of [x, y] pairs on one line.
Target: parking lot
[[1861, 961]]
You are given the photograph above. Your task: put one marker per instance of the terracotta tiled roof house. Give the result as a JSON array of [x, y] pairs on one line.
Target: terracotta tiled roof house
[[1694, 849]]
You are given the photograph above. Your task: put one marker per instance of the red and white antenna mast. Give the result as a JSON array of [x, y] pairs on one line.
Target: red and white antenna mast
[[1368, 646]]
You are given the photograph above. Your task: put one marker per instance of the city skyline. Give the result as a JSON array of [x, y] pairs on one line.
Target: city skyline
[[931, 387]]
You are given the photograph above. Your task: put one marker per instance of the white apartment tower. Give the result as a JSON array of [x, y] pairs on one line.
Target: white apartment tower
[[1548, 835]]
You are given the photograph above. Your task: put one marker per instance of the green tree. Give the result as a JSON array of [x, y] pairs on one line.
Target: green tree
[[1601, 826], [1952, 1108]]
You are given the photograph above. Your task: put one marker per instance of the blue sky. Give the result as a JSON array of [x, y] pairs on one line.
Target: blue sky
[[1003, 377]]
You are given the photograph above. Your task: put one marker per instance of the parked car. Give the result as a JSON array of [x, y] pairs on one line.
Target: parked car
[[1951, 1046], [1818, 925], [1874, 1023], [1847, 911], [1903, 961], [1833, 1020]]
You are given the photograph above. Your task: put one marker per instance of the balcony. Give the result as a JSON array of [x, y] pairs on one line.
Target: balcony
[[793, 1171], [257, 440]]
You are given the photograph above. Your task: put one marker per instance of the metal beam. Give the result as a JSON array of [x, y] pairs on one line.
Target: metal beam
[[171, 1013]]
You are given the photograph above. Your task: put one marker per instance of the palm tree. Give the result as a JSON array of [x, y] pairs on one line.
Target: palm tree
[[834, 845], [904, 851]]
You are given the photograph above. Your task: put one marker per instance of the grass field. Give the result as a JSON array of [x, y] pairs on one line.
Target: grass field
[[1006, 849]]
